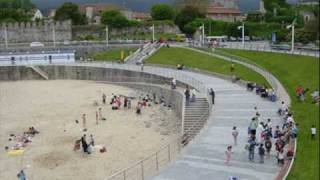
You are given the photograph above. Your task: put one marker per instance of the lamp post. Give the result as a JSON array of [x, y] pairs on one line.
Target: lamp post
[[107, 36], [6, 36], [153, 36], [54, 35], [242, 28], [292, 35]]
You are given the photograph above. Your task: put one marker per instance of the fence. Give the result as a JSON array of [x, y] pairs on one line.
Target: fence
[[266, 48], [150, 165]]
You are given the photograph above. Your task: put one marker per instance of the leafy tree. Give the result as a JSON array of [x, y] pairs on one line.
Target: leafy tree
[[114, 19], [162, 12], [187, 15], [201, 5], [17, 4], [70, 11]]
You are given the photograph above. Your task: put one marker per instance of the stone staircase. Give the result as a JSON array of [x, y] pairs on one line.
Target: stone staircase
[[195, 116], [140, 55], [39, 71]]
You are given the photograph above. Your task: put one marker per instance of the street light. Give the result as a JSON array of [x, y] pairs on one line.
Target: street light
[[107, 36], [242, 28], [6, 36], [54, 35], [292, 34]]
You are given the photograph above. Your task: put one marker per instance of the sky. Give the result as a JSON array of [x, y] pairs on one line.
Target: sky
[[137, 5]]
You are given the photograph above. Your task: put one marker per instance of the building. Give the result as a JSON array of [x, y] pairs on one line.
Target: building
[[37, 15], [231, 13], [93, 11], [309, 2], [52, 13], [141, 16]]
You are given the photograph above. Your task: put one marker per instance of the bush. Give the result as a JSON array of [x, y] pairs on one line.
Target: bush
[[162, 12]]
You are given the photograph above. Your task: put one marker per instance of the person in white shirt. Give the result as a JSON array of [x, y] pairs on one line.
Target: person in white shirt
[[174, 83], [313, 132], [193, 95]]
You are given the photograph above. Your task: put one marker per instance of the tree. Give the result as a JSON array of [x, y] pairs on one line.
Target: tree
[[114, 19], [187, 15], [201, 5], [70, 11], [162, 12]]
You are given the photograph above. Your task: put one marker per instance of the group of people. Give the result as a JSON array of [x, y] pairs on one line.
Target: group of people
[[22, 140], [263, 91], [190, 95]]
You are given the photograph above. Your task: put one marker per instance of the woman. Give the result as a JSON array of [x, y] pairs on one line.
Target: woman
[[228, 154], [235, 134]]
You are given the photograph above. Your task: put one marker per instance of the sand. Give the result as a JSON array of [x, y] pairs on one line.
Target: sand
[[52, 106]]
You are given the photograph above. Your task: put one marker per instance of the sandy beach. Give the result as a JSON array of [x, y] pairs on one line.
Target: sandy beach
[[54, 106]]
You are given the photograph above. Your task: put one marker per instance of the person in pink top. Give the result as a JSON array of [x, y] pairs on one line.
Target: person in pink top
[[228, 155]]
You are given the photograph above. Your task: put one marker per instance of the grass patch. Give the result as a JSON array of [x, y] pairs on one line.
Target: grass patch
[[173, 56], [293, 70], [112, 55]]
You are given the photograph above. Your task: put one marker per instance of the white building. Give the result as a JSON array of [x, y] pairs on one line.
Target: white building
[[37, 15]]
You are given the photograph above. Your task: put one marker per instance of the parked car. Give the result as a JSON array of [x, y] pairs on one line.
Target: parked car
[[283, 47], [36, 44]]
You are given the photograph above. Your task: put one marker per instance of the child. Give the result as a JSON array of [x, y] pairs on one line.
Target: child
[[261, 153], [228, 154], [313, 132]]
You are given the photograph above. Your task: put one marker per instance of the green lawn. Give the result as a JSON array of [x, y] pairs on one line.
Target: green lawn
[[112, 55], [292, 71], [173, 56]]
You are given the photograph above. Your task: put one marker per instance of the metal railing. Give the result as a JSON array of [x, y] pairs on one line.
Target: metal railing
[[268, 48], [150, 165]]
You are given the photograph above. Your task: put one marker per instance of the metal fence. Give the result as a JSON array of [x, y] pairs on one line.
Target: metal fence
[[150, 165], [266, 48]]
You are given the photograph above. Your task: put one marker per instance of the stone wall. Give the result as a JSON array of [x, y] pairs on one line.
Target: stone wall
[[32, 31], [99, 31]]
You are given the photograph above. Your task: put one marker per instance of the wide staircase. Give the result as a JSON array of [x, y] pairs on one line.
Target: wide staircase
[[195, 116], [140, 55]]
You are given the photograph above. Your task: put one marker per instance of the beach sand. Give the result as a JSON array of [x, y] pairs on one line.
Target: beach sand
[[53, 106]]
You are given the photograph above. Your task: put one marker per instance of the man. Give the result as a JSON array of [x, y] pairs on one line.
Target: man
[[252, 146], [187, 94], [174, 83], [261, 153], [212, 93], [84, 144], [313, 132], [104, 98]]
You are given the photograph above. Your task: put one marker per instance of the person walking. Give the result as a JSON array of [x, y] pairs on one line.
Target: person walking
[[187, 94], [173, 83], [212, 93], [251, 148], [84, 122], [280, 157], [268, 145], [232, 68], [228, 155], [100, 114], [104, 98], [22, 175], [261, 153], [193, 95], [235, 135], [142, 66], [97, 117]]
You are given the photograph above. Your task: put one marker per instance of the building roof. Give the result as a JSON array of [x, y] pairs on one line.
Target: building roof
[[219, 9], [141, 15], [98, 8]]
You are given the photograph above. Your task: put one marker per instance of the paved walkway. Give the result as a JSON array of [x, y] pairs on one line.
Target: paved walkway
[[204, 158]]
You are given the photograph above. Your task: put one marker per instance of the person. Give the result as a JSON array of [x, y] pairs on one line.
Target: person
[[228, 154], [97, 117], [187, 94], [138, 111], [232, 68], [84, 144], [212, 93], [193, 95], [315, 97], [313, 132], [84, 122], [253, 126], [125, 102], [173, 83], [235, 134], [104, 98], [91, 140], [22, 175], [251, 148], [280, 157], [283, 108], [100, 114], [142, 66], [129, 104], [268, 145], [261, 153]]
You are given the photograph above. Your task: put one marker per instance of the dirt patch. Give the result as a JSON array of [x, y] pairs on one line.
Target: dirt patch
[[51, 160]]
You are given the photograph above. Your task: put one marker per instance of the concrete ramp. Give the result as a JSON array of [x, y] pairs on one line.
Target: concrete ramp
[[36, 69]]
